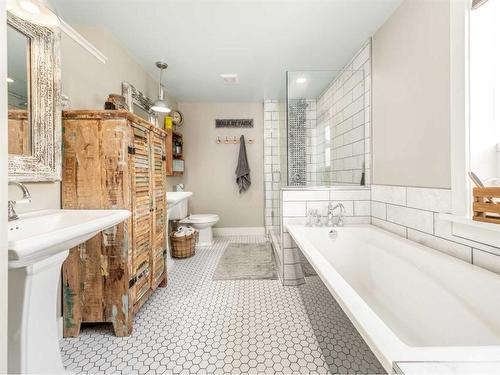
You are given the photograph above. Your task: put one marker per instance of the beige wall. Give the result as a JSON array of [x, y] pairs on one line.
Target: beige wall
[[210, 167], [411, 96], [87, 82]]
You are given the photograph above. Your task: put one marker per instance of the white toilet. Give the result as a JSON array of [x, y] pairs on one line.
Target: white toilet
[[203, 223]]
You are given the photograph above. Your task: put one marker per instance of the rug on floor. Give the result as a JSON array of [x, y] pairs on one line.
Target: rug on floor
[[247, 261]]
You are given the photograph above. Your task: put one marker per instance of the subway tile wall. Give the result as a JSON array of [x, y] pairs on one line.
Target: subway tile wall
[[341, 138], [413, 213], [297, 203], [336, 125]]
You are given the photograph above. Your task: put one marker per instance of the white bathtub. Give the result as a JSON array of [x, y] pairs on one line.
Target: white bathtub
[[409, 302]]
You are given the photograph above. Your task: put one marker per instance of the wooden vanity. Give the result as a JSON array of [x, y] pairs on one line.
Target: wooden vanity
[[114, 159]]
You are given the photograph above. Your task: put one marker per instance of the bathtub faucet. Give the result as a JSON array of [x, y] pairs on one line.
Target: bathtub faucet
[[331, 210]]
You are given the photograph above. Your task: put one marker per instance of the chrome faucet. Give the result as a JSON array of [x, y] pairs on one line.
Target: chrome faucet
[[331, 210], [11, 204]]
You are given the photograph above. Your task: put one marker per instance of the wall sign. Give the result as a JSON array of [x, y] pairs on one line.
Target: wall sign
[[234, 123]]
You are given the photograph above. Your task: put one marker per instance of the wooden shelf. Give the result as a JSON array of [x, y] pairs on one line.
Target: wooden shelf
[[170, 155]]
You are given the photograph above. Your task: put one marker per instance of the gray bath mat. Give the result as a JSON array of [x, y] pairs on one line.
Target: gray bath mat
[[247, 261]]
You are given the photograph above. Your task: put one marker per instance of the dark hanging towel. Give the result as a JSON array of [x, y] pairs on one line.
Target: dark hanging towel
[[243, 169]]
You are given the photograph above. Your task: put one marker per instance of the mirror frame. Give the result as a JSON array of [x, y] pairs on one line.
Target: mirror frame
[[134, 96], [44, 163]]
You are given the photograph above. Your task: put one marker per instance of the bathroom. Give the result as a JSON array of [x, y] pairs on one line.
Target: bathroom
[[205, 187]]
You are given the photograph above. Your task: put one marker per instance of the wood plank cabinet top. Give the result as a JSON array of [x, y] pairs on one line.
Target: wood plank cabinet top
[[92, 114]]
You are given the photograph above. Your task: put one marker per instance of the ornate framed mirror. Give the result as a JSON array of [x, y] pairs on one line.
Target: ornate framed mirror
[[139, 103], [34, 97]]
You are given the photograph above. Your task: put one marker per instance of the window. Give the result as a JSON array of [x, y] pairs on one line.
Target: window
[[467, 127], [485, 90]]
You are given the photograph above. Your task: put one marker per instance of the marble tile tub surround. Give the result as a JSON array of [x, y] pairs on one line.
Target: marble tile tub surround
[[413, 213], [296, 203]]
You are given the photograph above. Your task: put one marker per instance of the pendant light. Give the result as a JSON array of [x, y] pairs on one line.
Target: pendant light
[[34, 11], [161, 104]]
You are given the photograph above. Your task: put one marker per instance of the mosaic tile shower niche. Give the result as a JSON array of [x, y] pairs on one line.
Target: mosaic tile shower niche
[[297, 142]]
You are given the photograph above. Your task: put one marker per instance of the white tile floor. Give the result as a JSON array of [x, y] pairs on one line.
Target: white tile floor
[[198, 325]]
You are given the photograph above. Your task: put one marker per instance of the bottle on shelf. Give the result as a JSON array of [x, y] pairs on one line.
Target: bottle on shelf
[[177, 147]]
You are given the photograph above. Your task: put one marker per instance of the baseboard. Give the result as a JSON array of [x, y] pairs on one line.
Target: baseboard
[[240, 231]]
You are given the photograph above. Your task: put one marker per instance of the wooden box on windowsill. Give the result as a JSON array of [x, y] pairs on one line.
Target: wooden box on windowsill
[[484, 209]]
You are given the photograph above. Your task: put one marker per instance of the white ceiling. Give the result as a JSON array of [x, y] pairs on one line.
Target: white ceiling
[[317, 81], [259, 40]]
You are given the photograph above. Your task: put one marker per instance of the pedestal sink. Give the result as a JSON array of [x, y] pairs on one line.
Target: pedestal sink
[[39, 243], [177, 204], [177, 208]]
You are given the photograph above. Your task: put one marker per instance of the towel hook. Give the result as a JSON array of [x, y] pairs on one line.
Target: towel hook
[[218, 140]]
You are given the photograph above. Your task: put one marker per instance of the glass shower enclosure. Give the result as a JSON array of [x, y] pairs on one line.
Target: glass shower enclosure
[[318, 136], [325, 128]]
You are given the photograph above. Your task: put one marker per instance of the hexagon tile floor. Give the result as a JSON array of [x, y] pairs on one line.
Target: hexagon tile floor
[[198, 325]]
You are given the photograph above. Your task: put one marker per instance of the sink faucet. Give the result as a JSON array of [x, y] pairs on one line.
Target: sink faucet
[[26, 198], [331, 210]]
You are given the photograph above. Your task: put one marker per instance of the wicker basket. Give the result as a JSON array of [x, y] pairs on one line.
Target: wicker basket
[[183, 247]]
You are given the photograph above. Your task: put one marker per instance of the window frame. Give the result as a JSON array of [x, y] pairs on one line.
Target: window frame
[[461, 187]]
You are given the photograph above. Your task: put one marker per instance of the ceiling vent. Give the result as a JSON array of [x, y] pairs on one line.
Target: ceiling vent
[[230, 78]]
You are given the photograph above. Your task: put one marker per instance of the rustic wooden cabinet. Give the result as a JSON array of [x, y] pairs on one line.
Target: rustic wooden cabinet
[[114, 159]]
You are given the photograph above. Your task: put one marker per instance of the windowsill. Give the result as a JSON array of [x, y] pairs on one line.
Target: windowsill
[[465, 227]]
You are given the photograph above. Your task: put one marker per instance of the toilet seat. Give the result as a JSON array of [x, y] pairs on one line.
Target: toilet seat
[[201, 218]]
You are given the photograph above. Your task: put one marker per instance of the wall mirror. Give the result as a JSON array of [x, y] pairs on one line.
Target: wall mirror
[[34, 113], [139, 104], [18, 67]]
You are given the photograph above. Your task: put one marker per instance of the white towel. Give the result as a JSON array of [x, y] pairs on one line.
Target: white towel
[[184, 231]]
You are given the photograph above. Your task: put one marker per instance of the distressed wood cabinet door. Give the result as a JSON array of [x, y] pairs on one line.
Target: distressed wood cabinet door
[[159, 275], [142, 207], [95, 274]]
